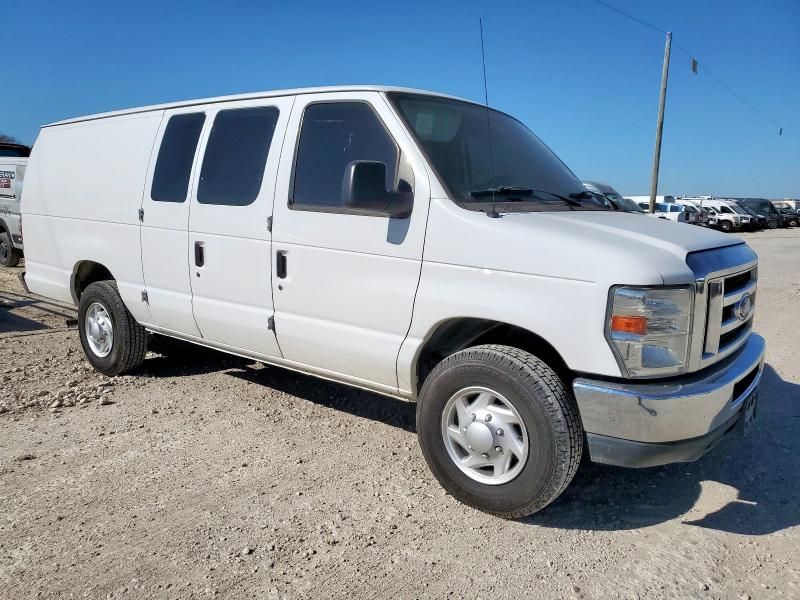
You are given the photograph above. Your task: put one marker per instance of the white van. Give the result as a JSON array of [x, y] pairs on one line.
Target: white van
[[729, 215], [369, 235], [13, 162]]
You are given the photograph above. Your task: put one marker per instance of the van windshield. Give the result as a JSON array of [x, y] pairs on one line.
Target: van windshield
[[519, 168], [737, 209]]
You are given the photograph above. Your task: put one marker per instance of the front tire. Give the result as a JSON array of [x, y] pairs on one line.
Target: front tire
[[9, 256], [726, 226], [499, 430], [113, 341]]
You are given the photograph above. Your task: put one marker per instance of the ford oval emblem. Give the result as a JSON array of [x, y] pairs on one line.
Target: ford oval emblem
[[744, 307]]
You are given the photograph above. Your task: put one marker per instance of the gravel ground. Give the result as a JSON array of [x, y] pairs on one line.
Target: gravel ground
[[210, 476]]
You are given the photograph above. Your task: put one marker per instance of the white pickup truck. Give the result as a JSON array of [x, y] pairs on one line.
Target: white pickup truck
[[13, 161], [409, 243]]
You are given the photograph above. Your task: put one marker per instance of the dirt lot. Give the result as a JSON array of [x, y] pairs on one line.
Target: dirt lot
[[210, 476]]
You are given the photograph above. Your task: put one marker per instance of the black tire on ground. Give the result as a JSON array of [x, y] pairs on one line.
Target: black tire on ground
[[793, 222], [725, 226], [129, 344], [772, 224], [545, 406], [9, 256]]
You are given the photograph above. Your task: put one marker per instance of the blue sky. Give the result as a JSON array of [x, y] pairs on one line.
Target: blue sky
[[584, 78]]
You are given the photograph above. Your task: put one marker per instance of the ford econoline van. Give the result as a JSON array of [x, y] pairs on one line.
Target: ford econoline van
[[410, 243]]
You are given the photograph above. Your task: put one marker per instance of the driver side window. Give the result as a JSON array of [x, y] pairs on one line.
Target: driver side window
[[332, 135]]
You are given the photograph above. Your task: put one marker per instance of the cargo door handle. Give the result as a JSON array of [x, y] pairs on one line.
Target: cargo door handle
[[199, 254], [280, 265]]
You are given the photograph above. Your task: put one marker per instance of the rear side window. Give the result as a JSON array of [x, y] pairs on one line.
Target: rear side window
[[334, 134], [174, 164], [236, 154]]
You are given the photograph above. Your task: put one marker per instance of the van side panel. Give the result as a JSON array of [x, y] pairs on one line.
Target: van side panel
[[83, 189]]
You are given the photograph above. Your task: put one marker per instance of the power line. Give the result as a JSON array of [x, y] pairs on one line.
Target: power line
[[696, 63], [631, 17]]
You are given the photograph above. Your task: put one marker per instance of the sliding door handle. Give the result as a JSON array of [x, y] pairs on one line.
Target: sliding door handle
[[199, 254], [280, 264]]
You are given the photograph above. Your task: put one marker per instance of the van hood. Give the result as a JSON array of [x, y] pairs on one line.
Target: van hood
[[677, 238], [591, 246]]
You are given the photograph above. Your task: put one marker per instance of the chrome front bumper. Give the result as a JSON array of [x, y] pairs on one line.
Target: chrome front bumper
[[646, 424]]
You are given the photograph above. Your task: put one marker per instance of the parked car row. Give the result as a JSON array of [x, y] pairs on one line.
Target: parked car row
[[724, 214]]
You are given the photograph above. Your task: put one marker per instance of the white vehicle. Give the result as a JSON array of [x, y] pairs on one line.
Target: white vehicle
[[694, 212], [672, 211], [367, 235], [13, 161], [729, 215]]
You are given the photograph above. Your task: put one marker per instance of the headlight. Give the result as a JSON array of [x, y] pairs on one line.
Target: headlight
[[648, 329]]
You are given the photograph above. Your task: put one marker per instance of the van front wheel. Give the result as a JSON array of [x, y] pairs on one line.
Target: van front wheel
[[499, 430], [113, 341]]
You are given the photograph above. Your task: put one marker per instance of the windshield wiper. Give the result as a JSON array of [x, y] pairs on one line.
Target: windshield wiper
[[520, 193], [595, 196], [503, 191]]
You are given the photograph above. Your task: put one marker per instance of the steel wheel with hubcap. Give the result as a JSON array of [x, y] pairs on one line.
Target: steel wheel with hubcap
[[499, 430], [484, 435], [99, 330], [112, 340]]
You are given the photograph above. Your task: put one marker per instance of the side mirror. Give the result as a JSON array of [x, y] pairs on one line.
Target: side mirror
[[364, 191]]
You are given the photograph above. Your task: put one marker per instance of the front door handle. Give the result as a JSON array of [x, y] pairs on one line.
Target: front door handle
[[199, 254], [280, 264]]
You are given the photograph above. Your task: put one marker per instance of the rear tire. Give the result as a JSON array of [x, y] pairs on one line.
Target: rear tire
[[113, 341], [9, 256], [529, 401]]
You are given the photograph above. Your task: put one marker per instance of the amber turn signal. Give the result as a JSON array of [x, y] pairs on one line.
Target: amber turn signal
[[621, 324]]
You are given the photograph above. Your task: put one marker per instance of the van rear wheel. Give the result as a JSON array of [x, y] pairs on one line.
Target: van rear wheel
[[9, 256], [113, 341], [499, 430]]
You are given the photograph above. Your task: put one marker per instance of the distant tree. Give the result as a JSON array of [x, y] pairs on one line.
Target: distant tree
[[8, 139]]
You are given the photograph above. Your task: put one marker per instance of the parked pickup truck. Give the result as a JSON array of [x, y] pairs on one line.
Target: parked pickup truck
[[13, 161], [369, 236]]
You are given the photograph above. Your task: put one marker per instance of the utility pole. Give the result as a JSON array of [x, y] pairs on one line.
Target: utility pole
[[660, 125]]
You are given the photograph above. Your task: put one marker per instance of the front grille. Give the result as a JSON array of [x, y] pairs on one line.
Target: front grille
[[730, 337], [734, 283], [728, 324], [722, 276]]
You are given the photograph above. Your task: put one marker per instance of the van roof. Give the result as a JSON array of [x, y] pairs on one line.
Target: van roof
[[253, 96]]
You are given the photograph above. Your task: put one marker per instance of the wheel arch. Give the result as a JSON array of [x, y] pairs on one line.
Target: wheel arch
[[455, 334], [86, 272]]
